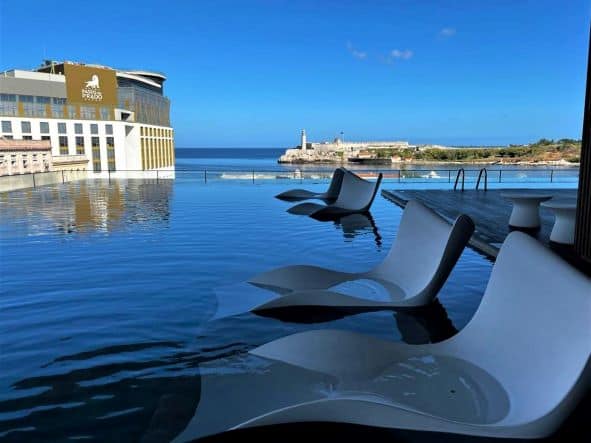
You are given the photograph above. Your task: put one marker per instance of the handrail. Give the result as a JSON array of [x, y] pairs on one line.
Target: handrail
[[546, 175], [462, 172], [485, 179]]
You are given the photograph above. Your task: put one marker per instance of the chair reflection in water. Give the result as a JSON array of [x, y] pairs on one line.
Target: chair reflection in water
[[516, 370], [353, 225], [423, 255]]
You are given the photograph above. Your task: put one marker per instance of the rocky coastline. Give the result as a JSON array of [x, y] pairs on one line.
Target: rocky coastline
[[564, 153]]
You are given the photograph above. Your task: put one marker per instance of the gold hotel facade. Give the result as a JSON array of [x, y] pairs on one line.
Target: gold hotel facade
[[97, 118]]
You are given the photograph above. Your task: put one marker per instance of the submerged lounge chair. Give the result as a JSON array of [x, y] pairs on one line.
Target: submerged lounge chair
[[516, 370], [329, 196], [422, 256], [356, 196]]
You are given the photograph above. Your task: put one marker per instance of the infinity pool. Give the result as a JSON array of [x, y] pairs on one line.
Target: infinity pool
[[110, 297]]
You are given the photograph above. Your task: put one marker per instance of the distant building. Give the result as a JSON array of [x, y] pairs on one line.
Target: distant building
[[338, 145], [337, 150], [24, 156], [94, 117]]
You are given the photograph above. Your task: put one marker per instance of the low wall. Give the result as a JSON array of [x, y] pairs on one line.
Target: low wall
[[23, 181], [14, 182]]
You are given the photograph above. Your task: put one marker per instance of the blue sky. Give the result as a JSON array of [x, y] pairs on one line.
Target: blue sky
[[253, 73]]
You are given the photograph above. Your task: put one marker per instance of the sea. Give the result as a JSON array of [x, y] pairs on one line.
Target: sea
[[260, 165]]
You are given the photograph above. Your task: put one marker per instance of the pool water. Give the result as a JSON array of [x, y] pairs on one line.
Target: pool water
[[110, 297]]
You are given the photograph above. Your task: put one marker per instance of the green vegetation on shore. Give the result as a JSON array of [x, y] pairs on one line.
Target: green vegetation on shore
[[539, 152]]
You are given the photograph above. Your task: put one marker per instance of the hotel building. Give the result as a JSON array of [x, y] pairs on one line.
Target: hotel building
[[96, 118]]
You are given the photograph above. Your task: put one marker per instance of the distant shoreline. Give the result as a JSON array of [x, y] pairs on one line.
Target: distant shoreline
[[544, 152], [559, 163], [562, 163]]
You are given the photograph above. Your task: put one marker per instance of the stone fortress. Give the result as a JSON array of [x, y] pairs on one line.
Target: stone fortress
[[340, 151]]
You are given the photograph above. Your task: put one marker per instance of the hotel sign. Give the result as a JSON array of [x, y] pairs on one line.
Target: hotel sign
[[92, 86]]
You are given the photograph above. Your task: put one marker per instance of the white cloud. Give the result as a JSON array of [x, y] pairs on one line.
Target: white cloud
[[361, 55], [447, 32], [400, 54]]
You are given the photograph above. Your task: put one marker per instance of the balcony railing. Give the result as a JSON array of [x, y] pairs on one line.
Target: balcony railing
[[433, 178]]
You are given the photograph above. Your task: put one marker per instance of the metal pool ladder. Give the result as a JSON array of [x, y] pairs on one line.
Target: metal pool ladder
[[460, 172]]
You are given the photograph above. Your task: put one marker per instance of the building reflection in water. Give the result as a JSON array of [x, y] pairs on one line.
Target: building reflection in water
[[89, 206]]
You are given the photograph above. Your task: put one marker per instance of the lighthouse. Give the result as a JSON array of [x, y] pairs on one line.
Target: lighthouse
[[303, 141]]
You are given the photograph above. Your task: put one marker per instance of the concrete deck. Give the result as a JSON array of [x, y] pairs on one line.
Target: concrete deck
[[488, 209]]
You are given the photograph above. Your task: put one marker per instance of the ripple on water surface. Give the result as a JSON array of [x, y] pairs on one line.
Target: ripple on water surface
[[108, 297]]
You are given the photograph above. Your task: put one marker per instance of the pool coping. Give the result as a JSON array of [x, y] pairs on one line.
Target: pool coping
[[476, 242]]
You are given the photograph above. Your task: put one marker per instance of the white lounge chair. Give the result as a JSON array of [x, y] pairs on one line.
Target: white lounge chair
[[525, 358], [329, 196], [356, 196], [422, 256], [516, 370]]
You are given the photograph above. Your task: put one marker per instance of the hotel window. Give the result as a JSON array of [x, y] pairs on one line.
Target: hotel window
[[57, 111], [94, 128], [109, 129], [150, 162], [26, 127], [8, 107], [77, 128], [96, 154], [45, 137], [87, 112], [6, 126], [104, 113], [111, 153], [143, 151], [63, 140], [58, 101], [27, 137], [79, 145], [28, 104], [26, 99], [43, 100], [61, 128], [44, 127], [8, 97]]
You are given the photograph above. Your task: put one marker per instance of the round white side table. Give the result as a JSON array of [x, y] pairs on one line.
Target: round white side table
[[564, 225], [526, 208]]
